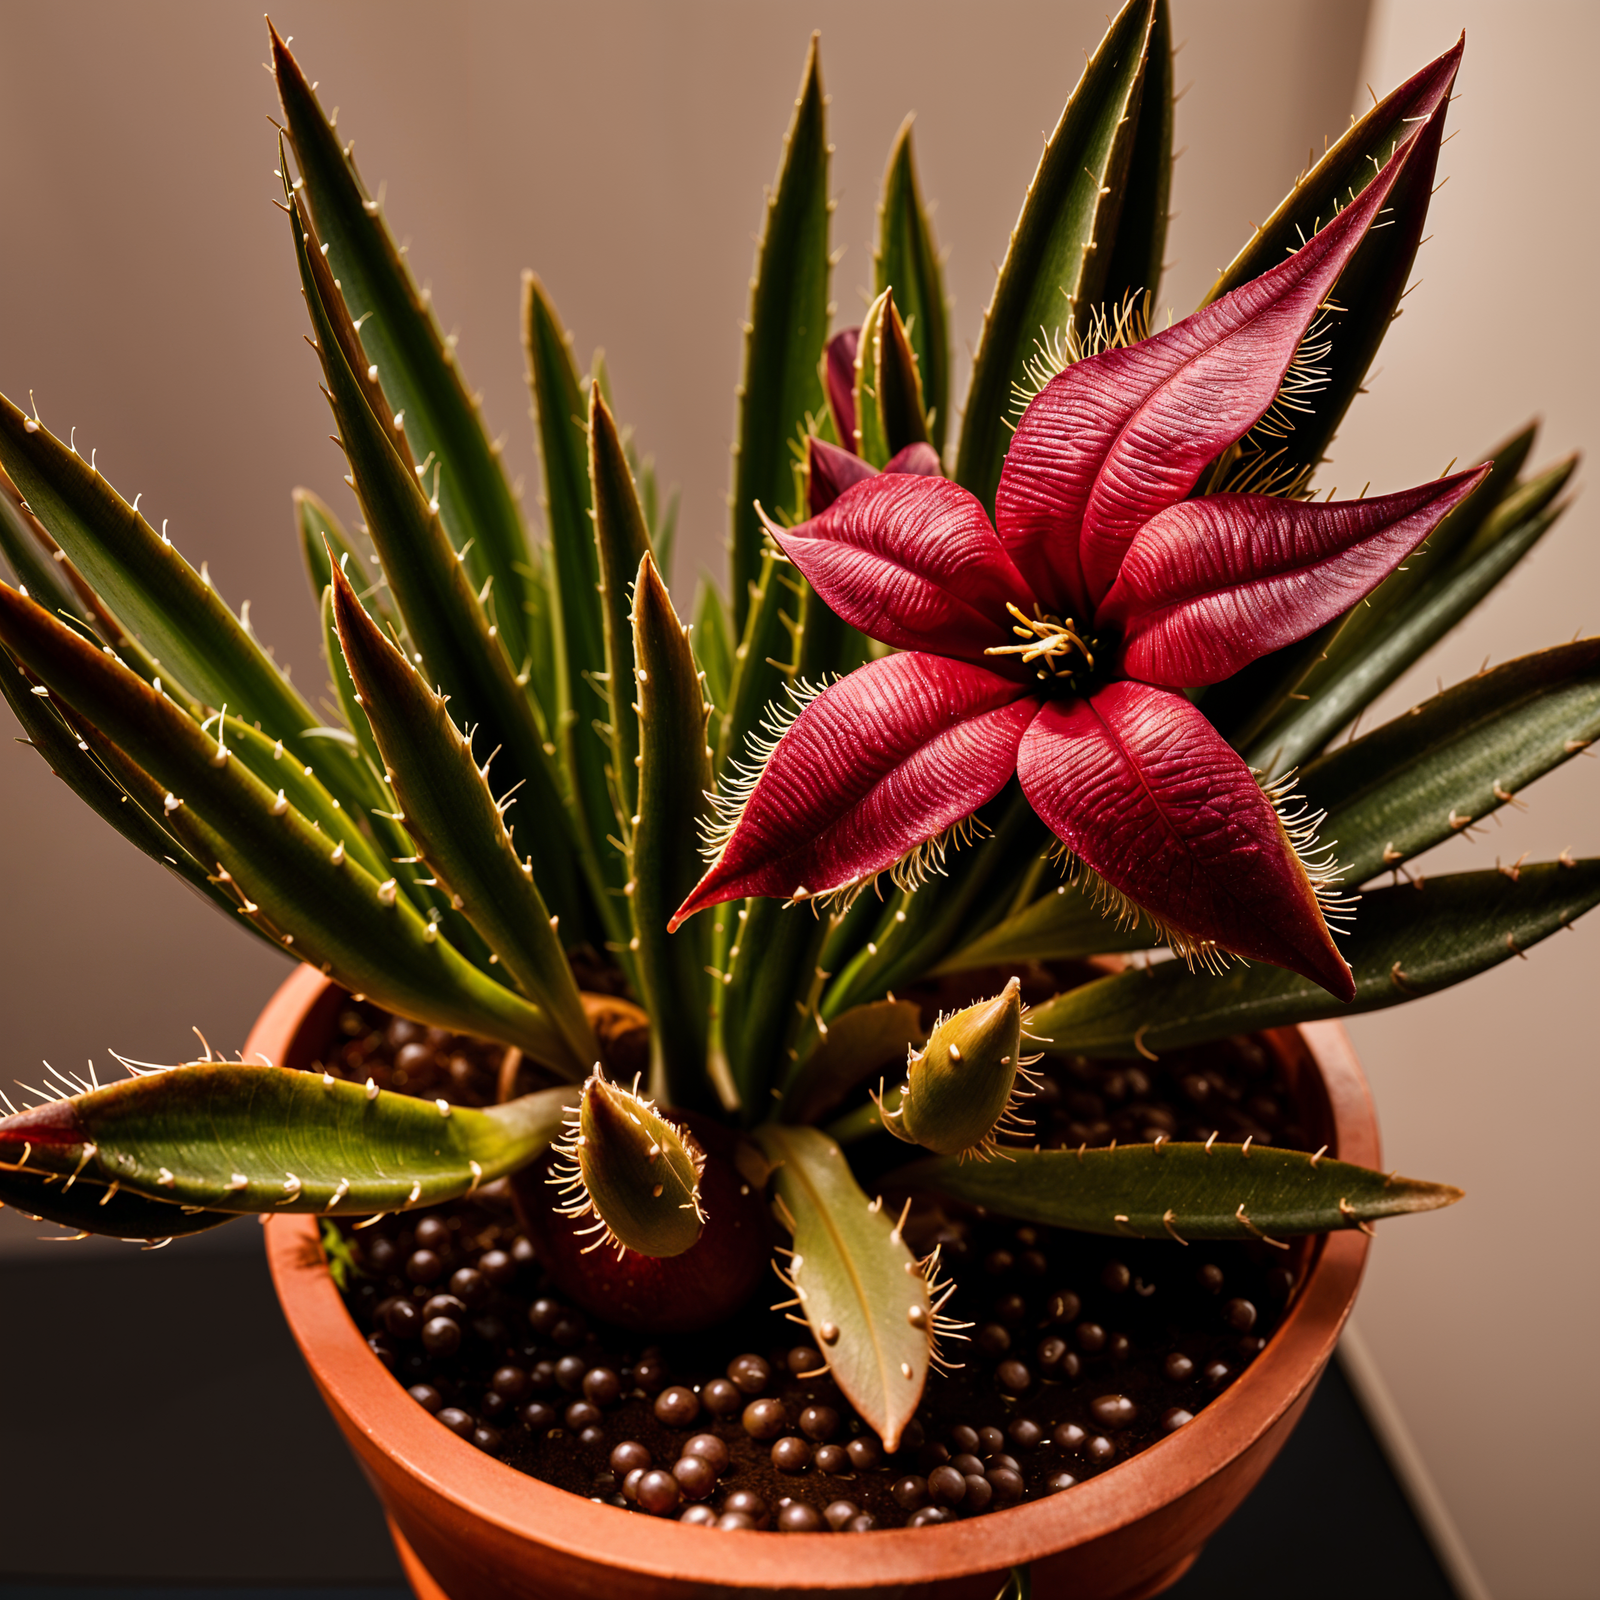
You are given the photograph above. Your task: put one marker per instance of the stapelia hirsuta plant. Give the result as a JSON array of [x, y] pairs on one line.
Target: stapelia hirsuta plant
[[1056, 643], [1130, 604]]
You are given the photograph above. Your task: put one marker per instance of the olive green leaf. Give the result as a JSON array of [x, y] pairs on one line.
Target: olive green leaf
[[907, 261], [458, 826], [326, 545], [1409, 941], [871, 442], [174, 617], [785, 334], [663, 855], [622, 539], [65, 751], [231, 1137], [864, 1040], [582, 710], [1064, 924], [1056, 271], [637, 1173], [1338, 689], [854, 1280], [101, 1208], [460, 648], [1367, 297], [1178, 1191], [1450, 762], [318, 902], [416, 363]]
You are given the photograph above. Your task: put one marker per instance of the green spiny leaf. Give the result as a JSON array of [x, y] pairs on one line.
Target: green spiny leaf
[[344, 691], [713, 648], [1453, 760], [1138, 255], [864, 1040], [1056, 267], [907, 261], [1370, 288], [38, 563], [1408, 941], [459, 828], [787, 329], [1339, 690], [664, 862], [62, 747], [763, 659], [417, 364], [637, 1172], [916, 930], [261, 1138], [99, 1208], [896, 382], [1179, 1191], [1064, 924], [319, 903], [622, 539], [772, 973], [855, 1281], [460, 650], [190, 637], [582, 712], [1252, 699], [326, 545], [871, 442]]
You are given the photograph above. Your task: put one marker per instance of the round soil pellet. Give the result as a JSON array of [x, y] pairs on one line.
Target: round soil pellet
[[657, 1492], [677, 1407]]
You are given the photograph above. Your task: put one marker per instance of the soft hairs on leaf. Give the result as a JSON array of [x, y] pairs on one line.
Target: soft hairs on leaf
[[1129, 775], [1146, 792], [1122, 435], [1209, 585], [890, 756]]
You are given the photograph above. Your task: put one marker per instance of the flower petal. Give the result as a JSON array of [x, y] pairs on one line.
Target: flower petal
[[1146, 792], [911, 561], [1209, 585], [887, 758], [839, 378], [1119, 436], [830, 470], [919, 458]]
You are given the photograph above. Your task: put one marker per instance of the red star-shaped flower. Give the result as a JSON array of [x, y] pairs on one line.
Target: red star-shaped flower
[[1054, 644]]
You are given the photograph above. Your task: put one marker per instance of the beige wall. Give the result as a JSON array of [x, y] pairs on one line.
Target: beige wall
[[147, 295], [1483, 1319]]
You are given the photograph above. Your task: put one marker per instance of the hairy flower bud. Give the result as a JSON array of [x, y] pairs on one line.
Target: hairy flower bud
[[961, 1087], [636, 1173]]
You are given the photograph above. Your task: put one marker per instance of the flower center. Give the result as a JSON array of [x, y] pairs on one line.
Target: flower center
[[1052, 646]]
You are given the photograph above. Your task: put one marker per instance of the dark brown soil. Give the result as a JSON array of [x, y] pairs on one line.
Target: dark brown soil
[[1083, 1350]]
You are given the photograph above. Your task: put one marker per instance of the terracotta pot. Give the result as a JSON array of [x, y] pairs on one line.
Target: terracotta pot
[[470, 1528]]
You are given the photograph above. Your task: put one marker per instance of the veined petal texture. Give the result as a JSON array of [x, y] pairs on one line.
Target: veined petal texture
[[1119, 436], [1146, 793], [1209, 585], [887, 758], [912, 561]]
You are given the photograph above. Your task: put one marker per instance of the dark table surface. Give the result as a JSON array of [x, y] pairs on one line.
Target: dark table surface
[[158, 1435]]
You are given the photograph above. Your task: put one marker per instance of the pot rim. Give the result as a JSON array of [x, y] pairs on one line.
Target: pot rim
[[355, 1381]]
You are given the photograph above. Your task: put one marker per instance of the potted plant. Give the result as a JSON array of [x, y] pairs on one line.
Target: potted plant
[[1118, 636]]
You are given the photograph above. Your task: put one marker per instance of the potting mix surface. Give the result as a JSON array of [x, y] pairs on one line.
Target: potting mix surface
[[1081, 1352]]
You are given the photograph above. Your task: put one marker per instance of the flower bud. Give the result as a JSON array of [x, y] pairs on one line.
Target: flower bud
[[636, 1173], [961, 1087]]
